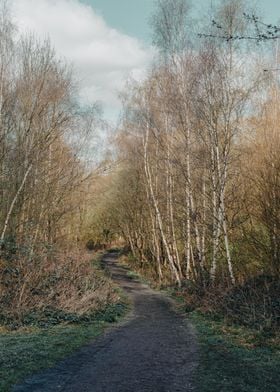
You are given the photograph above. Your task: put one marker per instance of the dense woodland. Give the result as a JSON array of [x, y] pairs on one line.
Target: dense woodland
[[47, 180], [196, 191], [193, 190]]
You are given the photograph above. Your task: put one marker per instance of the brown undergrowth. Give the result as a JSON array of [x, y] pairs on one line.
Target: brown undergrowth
[[253, 304], [53, 288]]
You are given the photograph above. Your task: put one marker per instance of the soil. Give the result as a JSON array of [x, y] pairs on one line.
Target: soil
[[153, 350]]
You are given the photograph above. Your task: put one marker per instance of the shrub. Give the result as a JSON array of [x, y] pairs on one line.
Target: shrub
[[64, 287]]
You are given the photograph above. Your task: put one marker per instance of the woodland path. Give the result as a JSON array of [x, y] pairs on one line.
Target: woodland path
[[153, 350]]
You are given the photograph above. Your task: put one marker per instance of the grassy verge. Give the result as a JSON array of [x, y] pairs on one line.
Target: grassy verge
[[26, 351], [235, 359], [44, 336]]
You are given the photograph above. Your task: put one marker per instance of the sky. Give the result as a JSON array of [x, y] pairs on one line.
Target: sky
[[128, 16], [106, 41], [132, 16]]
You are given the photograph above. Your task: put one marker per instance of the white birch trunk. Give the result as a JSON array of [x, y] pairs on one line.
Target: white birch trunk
[[158, 214], [14, 202]]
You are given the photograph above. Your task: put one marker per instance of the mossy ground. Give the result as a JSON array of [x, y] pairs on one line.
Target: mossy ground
[[31, 349], [235, 359]]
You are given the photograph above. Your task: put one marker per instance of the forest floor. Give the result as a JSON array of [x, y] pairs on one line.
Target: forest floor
[[153, 350]]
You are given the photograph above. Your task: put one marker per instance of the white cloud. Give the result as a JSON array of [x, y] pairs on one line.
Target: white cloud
[[102, 56]]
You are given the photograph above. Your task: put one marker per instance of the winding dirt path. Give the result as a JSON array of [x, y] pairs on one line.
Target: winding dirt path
[[153, 350]]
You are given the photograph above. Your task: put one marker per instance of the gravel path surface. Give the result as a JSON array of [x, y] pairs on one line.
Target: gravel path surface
[[153, 350]]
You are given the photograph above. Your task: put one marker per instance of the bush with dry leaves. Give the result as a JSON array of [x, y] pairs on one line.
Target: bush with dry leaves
[[66, 287]]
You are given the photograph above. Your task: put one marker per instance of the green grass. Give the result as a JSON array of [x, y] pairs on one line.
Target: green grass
[[133, 275], [26, 351], [235, 359]]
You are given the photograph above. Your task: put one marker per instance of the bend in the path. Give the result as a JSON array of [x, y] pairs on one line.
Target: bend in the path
[[153, 351]]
